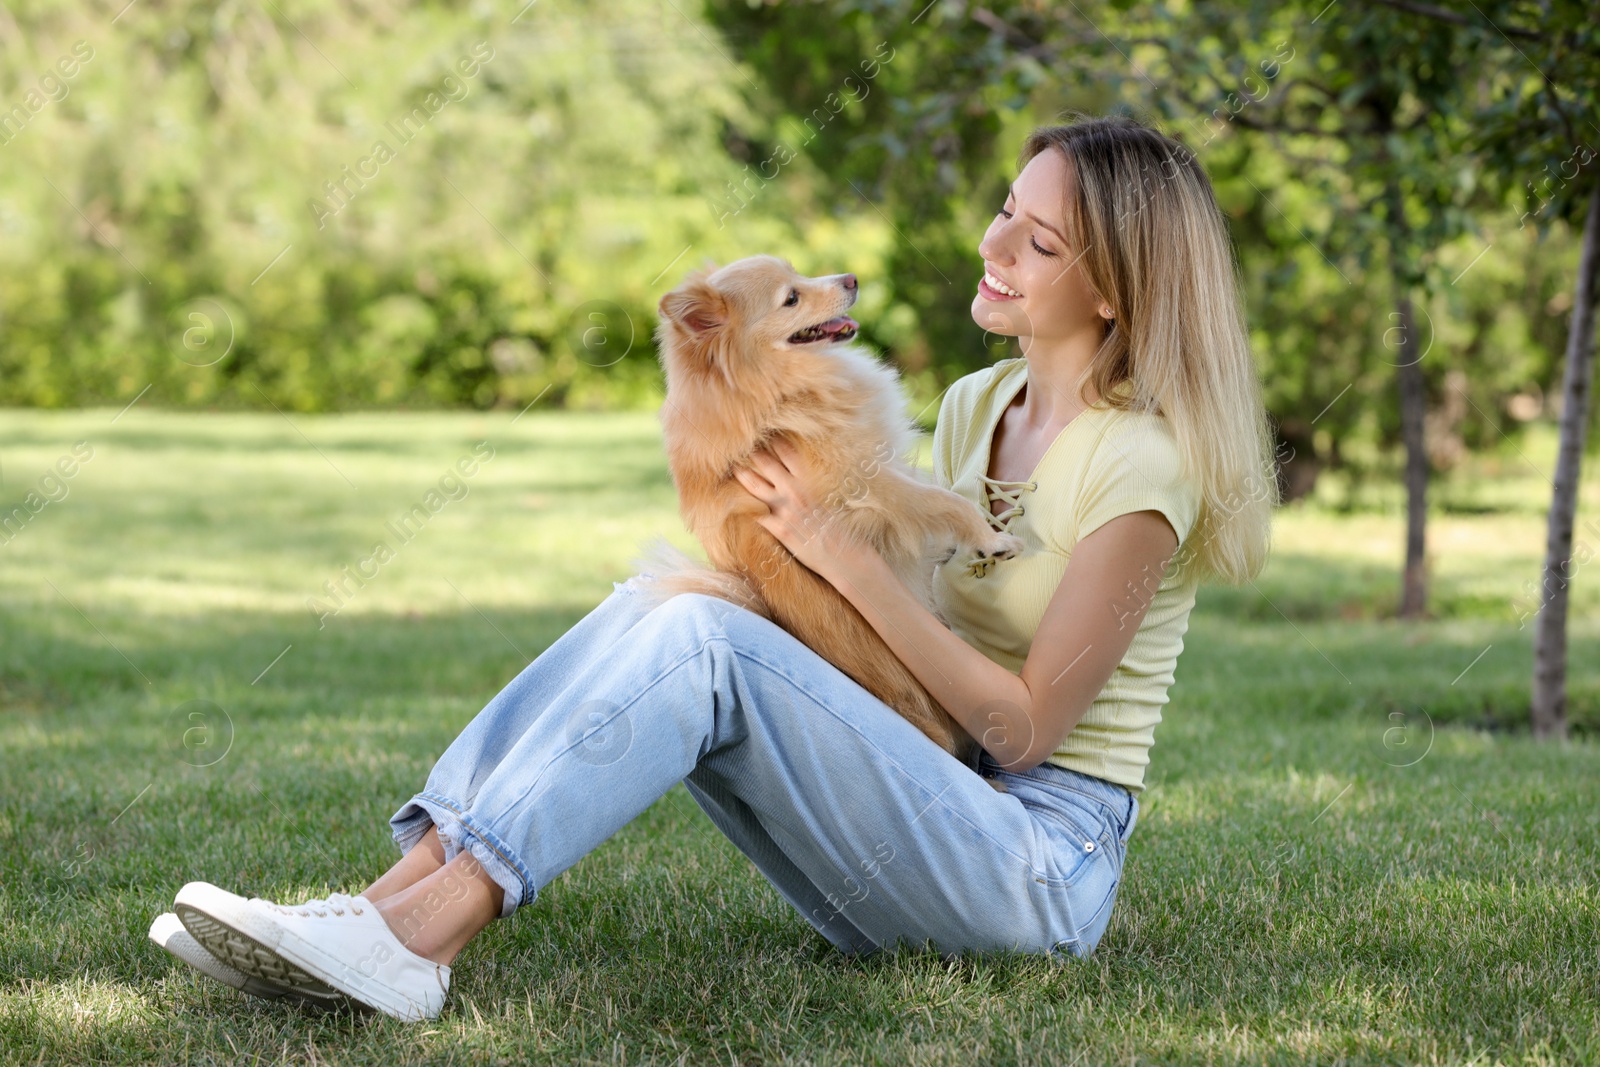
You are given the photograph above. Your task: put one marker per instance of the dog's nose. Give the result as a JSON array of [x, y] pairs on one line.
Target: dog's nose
[[849, 281]]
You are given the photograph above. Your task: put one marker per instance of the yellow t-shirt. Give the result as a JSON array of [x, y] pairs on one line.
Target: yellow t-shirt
[[1106, 462]]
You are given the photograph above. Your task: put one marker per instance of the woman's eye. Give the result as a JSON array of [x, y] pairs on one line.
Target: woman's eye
[[794, 298], [1031, 241]]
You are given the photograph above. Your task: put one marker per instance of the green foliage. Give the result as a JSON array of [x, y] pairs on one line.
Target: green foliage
[[301, 205], [1539, 130], [205, 209], [1307, 205]]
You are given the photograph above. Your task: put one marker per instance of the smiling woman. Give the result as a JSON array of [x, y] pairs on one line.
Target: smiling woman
[[1120, 447], [1123, 435]]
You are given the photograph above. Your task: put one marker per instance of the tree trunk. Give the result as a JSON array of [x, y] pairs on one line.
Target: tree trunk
[[1550, 630], [1413, 413]]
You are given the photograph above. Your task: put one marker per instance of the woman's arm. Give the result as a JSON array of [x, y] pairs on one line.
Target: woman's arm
[[1087, 627]]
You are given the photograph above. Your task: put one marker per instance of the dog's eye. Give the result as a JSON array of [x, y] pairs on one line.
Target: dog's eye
[[794, 298]]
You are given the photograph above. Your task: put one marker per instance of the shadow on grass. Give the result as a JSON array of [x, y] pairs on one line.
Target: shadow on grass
[[1363, 934], [1301, 587], [1291, 883]]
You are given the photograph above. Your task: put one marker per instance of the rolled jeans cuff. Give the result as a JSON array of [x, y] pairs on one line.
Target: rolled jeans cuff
[[458, 831]]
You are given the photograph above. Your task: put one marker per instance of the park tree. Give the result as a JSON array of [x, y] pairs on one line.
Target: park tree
[[1537, 135], [1375, 116], [901, 110], [1371, 118], [1418, 90]]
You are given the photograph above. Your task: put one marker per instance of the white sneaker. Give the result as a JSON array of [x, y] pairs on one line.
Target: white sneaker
[[340, 943], [168, 932]]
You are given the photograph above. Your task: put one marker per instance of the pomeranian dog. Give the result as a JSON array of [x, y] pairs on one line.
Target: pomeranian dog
[[755, 350]]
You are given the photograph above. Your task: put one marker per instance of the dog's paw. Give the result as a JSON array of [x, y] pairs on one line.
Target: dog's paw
[[1002, 546]]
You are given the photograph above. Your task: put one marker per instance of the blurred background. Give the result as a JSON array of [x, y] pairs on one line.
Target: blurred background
[[331, 207], [311, 205]]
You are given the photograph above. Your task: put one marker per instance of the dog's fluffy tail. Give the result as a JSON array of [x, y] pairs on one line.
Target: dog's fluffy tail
[[664, 570]]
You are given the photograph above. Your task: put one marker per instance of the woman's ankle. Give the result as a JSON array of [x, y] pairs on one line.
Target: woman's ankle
[[440, 914], [425, 857]]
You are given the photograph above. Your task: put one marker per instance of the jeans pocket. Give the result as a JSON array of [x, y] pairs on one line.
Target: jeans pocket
[[1085, 904], [1078, 832], [1077, 845]]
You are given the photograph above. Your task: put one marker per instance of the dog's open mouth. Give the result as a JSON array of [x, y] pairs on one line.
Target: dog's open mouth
[[840, 329]]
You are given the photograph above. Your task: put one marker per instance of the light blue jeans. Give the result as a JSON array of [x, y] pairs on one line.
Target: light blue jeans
[[869, 829]]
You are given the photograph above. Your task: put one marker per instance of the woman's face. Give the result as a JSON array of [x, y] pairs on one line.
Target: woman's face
[[1026, 250]]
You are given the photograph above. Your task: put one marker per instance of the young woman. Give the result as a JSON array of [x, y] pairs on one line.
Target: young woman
[[1127, 447]]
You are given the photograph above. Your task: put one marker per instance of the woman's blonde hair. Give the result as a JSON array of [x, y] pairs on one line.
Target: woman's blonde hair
[[1154, 246]]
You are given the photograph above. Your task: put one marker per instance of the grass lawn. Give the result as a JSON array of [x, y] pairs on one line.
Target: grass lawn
[[1346, 854]]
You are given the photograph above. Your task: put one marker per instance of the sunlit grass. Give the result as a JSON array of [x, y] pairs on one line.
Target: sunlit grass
[[1331, 863]]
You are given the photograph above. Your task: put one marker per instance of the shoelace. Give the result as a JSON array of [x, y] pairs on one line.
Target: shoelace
[[337, 903]]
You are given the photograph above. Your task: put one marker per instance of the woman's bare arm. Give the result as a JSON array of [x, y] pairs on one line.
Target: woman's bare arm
[[1086, 629]]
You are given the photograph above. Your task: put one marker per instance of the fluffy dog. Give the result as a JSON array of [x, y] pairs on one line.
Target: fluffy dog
[[754, 350]]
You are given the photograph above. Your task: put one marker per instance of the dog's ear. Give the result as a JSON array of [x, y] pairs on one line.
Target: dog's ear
[[696, 306]]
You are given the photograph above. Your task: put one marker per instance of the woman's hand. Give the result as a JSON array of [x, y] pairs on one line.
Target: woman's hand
[[777, 476]]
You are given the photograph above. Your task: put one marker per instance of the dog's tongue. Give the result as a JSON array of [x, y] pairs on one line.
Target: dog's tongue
[[842, 324]]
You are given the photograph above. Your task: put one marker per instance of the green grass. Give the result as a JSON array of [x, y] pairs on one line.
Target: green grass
[[1332, 864]]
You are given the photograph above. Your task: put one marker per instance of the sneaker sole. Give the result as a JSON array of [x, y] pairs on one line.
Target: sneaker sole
[[169, 933], [221, 922], [242, 952]]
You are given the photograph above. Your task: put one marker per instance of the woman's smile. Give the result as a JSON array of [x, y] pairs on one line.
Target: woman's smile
[[989, 287]]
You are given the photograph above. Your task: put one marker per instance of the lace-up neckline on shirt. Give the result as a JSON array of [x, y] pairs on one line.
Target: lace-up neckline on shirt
[[1008, 492], [1001, 489], [1119, 461]]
